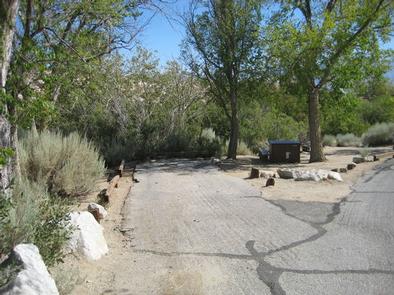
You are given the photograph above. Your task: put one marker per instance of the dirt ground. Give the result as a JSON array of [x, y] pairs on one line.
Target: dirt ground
[[329, 191], [77, 275]]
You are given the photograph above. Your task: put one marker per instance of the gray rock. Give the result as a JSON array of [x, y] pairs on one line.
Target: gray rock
[[34, 278], [358, 159], [215, 161], [285, 173], [351, 166]]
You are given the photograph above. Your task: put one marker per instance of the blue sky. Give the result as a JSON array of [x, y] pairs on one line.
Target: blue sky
[[164, 36]]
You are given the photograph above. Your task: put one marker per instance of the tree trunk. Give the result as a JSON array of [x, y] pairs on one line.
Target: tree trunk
[[234, 128], [316, 154], [8, 12]]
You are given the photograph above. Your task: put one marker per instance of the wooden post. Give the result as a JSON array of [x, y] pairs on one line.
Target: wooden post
[[111, 186], [254, 173], [119, 171]]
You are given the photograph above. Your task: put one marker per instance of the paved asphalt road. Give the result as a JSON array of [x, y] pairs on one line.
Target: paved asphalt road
[[194, 230]]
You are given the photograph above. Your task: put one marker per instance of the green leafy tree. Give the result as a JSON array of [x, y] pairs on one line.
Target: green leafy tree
[[222, 37], [320, 44]]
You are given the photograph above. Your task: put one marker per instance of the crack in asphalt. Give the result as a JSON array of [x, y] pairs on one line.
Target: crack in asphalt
[[270, 274]]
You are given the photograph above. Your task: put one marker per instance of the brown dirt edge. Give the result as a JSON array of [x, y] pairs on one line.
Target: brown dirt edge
[[79, 276]]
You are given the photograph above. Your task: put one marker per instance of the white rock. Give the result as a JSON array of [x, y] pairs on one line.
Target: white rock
[[87, 238], [97, 210], [369, 159], [285, 173], [34, 279], [335, 176], [215, 161], [322, 174], [314, 175], [301, 175]]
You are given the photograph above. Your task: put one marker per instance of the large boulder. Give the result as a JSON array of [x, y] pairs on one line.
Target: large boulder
[[285, 173], [34, 278], [87, 238]]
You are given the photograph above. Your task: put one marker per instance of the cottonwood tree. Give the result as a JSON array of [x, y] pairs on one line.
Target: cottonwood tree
[[222, 36], [316, 42]]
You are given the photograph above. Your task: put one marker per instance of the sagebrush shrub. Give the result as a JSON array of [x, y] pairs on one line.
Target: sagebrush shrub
[[68, 165], [379, 134], [31, 215], [348, 139], [243, 149], [329, 140]]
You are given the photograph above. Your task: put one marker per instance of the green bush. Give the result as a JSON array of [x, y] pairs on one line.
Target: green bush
[[329, 140], [348, 139], [68, 165], [378, 109], [243, 149], [342, 115], [258, 126], [31, 215], [379, 134]]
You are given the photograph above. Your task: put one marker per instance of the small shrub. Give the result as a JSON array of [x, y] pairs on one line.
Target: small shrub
[[243, 149], [33, 216], [67, 165], [348, 139], [209, 134], [379, 134], [329, 140], [209, 144], [364, 152]]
